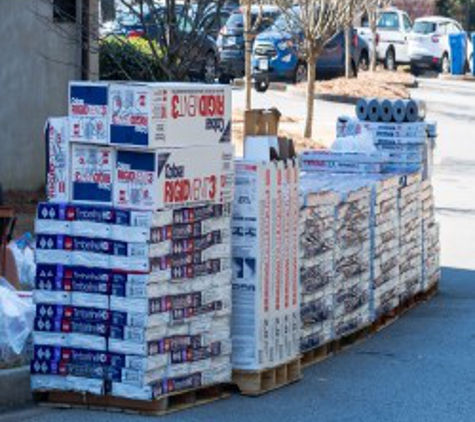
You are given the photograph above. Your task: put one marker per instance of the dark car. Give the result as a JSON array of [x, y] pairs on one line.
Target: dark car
[[278, 55], [214, 18], [231, 39], [192, 32]]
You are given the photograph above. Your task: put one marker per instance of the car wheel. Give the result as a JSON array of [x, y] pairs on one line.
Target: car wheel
[[445, 65], [261, 86], [390, 60], [364, 61], [210, 71], [300, 73], [415, 70]]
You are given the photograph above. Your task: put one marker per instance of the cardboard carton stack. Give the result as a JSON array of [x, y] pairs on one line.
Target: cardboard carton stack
[[385, 259], [317, 266], [430, 239], [133, 287], [410, 235], [265, 242]]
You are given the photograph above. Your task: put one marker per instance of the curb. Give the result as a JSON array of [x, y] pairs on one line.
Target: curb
[[238, 84], [15, 388], [342, 99]]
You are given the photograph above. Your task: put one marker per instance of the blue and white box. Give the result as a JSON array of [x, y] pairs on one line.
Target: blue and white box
[[92, 174], [89, 112]]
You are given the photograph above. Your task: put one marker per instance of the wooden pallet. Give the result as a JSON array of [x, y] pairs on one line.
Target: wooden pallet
[[385, 320], [256, 383], [351, 339], [313, 356], [162, 406], [428, 294]]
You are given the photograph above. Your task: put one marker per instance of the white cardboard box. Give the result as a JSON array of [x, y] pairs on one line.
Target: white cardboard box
[[89, 112], [58, 159], [92, 174], [195, 176], [169, 114]]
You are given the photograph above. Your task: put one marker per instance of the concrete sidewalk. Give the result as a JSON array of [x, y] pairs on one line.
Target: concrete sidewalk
[[15, 387]]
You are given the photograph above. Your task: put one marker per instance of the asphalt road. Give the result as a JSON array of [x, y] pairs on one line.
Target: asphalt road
[[421, 368]]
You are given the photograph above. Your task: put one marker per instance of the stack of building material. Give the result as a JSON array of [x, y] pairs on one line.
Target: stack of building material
[[410, 235], [133, 289], [317, 267], [353, 260], [430, 239], [385, 259]]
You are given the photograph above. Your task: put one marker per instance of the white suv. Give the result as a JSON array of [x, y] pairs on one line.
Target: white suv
[[429, 46]]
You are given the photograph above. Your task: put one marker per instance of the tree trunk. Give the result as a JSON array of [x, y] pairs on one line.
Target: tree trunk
[[311, 76], [374, 51], [247, 54], [348, 39]]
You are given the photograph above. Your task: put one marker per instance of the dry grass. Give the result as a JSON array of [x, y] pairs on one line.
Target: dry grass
[[380, 84]]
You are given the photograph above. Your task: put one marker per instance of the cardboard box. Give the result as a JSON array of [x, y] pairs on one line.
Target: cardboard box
[[92, 174], [57, 159], [189, 177], [169, 114], [89, 112], [135, 180]]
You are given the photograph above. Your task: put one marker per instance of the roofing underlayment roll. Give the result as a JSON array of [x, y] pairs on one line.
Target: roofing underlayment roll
[[399, 111], [387, 111], [374, 110], [362, 109], [415, 111]]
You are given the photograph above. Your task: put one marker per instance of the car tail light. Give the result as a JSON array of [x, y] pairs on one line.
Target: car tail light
[[435, 60], [435, 39], [377, 39], [355, 41]]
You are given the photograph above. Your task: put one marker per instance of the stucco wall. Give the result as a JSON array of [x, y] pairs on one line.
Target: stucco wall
[[37, 59]]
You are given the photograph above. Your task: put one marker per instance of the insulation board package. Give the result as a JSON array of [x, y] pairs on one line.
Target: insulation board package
[[409, 147], [265, 240], [385, 256], [430, 239], [317, 266], [410, 234]]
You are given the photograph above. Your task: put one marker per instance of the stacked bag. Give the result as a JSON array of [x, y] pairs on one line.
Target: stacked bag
[[133, 286]]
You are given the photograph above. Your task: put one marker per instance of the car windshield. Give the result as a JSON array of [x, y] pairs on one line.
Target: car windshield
[[284, 23], [236, 20], [388, 20], [424, 28]]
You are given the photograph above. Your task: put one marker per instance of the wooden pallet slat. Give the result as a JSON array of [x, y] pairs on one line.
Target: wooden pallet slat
[[256, 383], [318, 354], [164, 405]]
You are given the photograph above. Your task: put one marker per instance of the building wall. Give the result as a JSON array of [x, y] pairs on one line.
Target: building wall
[[37, 59]]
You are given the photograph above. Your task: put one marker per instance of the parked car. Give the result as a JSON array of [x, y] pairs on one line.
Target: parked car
[[214, 18], [392, 38], [278, 55], [429, 46], [231, 39]]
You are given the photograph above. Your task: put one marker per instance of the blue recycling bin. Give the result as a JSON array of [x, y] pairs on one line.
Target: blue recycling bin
[[472, 65], [458, 53]]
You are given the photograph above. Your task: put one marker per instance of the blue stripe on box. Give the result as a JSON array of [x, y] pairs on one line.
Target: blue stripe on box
[[91, 192], [144, 161], [127, 135], [89, 94]]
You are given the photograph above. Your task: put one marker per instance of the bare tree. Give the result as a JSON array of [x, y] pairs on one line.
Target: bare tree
[[317, 21], [372, 9], [246, 5]]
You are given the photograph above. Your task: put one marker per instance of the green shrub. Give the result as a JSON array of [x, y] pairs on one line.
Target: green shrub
[[124, 58]]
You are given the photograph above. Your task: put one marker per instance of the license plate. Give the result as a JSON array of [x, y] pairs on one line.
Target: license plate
[[263, 64], [228, 41]]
